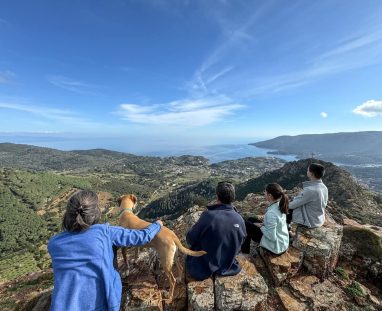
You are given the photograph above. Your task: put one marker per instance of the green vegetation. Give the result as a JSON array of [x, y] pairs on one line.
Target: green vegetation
[[17, 294], [341, 273], [17, 265], [22, 194], [365, 241], [355, 290]]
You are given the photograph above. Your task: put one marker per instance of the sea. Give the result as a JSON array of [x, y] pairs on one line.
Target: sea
[[214, 153]]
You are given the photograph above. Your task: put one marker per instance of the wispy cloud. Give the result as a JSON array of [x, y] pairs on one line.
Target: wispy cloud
[[324, 114], [61, 115], [370, 108], [184, 113], [72, 85], [6, 76], [229, 70]]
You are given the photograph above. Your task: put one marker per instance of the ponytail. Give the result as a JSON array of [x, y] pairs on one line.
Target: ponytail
[[284, 203], [277, 192]]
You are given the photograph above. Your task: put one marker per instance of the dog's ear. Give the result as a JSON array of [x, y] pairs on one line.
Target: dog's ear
[[119, 200], [133, 198]]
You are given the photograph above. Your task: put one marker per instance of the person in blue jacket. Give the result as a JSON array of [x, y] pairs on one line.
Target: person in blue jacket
[[82, 257], [220, 231], [272, 234]]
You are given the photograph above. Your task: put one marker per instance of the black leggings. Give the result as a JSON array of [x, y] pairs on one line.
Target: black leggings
[[289, 216], [253, 233]]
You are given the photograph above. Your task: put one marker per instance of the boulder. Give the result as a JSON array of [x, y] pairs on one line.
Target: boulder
[[200, 295], [142, 291], [290, 302], [318, 295], [243, 291], [284, 266], [320, 247]]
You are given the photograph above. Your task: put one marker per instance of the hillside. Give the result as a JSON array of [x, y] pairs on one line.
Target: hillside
[[180, 199], [33, 203], [29, 157], [35, 184], [346, 148], [353, 199]]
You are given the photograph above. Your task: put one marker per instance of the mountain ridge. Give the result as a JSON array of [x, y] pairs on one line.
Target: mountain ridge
[[343, 147]]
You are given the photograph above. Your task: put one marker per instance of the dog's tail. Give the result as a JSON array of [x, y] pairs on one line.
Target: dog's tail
[[186, 250]]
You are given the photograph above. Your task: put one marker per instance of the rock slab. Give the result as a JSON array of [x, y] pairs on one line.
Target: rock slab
[[320, 247]]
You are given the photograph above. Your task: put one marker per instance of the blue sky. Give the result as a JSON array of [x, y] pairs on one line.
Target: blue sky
[[189, 72]]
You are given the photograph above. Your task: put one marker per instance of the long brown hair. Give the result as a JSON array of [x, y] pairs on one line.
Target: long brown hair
[[277, 192], [81, 211]]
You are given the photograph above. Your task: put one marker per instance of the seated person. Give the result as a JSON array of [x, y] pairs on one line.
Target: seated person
[[220, 231], [308, 208], [272, 234]]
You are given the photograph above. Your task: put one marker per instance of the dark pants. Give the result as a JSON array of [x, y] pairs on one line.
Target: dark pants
[[289, 217], [253, 233]]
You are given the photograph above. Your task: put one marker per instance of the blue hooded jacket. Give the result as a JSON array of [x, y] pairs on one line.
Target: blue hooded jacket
[[220, 231], [84, 276]]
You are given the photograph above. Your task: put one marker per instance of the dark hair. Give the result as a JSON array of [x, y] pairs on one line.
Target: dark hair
[[225, 192], [81, 211], [277, 192], [317, 170]]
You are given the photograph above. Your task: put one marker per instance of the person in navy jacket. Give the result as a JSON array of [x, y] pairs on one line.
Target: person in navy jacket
[[82, 257], [220, 231]]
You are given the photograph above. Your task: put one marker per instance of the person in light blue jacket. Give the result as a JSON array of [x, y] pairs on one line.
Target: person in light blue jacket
[[82, 257], [272, 234]]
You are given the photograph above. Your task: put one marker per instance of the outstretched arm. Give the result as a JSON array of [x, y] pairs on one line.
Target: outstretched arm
[[131, 237]]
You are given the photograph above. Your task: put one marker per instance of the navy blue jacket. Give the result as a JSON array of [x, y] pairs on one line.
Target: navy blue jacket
[[220, 231]]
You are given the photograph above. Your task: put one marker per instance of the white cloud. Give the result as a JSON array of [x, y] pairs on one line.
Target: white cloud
[[61, 115], [370, 108], [324, 114], [72, 85], [185, 113]]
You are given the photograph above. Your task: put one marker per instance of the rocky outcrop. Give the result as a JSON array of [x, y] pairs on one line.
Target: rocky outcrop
[[146, 285], [282, 267], [142, 291], [309, 293], [298, 280], [201, 295], [243, 291], [320, 247]]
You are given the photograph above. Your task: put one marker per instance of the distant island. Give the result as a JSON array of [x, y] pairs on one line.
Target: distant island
[[352, 148]]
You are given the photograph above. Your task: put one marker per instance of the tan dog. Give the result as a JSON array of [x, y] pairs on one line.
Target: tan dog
[[165, 242]]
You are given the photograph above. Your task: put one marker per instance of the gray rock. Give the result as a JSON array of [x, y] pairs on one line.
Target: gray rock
[[243, 291], [320, 246]]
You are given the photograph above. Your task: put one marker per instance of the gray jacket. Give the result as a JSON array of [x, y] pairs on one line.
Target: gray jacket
[[309, 206]]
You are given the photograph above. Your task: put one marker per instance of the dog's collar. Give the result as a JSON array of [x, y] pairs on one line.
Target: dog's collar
[[125, 210]]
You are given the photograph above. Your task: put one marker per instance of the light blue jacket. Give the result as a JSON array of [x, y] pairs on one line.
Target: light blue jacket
[[275, 231], [309, 206]]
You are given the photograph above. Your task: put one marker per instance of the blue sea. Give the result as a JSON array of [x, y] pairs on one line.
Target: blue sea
[[218, 153], [214, 153]]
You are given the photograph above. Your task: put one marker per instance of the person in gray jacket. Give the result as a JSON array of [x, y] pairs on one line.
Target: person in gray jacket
[[308, 208]]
